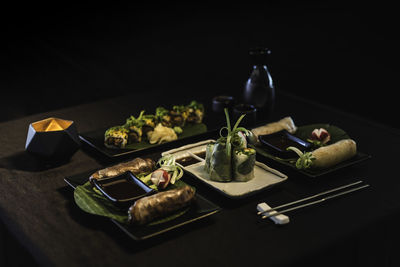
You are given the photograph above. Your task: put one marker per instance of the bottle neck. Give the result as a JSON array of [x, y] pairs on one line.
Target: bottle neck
[[260, 66]]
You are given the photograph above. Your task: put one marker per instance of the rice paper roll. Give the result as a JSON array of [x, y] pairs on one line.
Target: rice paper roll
[[220, 164], [328, 156], [273, 127], [243, 162], [209, 151]]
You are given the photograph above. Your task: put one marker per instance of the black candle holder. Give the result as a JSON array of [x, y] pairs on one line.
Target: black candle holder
[[52, 139]]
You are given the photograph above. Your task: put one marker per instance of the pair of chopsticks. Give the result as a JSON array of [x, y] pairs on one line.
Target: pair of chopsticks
[[325, 196]]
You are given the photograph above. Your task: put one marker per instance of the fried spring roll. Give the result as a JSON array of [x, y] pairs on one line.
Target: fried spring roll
[[136, 166], [149, 208], [273, 127], [328, 156]]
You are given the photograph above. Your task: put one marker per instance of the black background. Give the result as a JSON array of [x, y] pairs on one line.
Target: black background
[[54, 56]]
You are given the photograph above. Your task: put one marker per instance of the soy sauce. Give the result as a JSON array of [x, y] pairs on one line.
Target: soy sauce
[[186, 161], [123, 189]]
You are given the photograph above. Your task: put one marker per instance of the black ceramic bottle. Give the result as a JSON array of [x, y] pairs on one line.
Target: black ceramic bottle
[[259, 89]]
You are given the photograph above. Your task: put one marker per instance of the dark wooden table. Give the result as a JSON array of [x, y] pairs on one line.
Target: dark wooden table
[[37, 208]]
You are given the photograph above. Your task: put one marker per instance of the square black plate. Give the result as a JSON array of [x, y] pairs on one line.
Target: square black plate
[[303, 132], [200, 209]]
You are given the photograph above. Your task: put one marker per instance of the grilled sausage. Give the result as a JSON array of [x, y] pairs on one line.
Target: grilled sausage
[[149, 208]]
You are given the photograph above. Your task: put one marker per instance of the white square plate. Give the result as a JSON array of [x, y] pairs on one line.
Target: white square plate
[[264, 176]]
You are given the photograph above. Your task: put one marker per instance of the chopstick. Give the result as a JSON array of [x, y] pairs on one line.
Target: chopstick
[[195, 156], [313, 202], [310, 197]]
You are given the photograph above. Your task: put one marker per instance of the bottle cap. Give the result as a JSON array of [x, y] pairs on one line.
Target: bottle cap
[[259, 55]]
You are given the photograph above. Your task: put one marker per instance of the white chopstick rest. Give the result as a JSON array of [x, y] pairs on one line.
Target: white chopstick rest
[[278, 219]]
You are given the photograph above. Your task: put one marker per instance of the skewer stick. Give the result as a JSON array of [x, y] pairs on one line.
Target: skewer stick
[[195, 156]]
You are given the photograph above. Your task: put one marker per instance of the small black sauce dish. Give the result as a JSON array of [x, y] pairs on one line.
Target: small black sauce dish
[[124, 189], [277, 144]]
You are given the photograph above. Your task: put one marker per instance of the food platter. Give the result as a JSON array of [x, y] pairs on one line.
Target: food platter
[[148, 130], [264, 176], [303, 132], [95, 140], [199, 209]]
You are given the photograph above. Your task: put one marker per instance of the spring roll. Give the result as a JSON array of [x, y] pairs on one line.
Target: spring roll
[[209, 149], [243, 164], [220, 164], [161, 204], [136, 166], [328, 156], [273, 127]]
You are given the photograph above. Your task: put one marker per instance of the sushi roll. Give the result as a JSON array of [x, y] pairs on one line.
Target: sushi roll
[[135, 134], [134, 125], [149, 123], [195, 112], [163, 117], [178, 115], [243, 162], [116, 137]]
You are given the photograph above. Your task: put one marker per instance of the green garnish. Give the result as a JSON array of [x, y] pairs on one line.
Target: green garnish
[[305, 159], [195, 105], [168, 164], [316, 143], [178, 130], [232, 138]]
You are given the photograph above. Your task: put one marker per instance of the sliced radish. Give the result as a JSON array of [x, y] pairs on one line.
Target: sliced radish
[[160, 178]]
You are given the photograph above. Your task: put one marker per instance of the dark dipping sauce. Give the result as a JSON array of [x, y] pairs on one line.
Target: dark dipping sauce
[[186, 161], [277, 143], [123, 189], [282, 142]]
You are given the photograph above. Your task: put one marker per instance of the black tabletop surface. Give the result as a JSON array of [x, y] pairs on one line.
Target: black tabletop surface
[[38, 209]]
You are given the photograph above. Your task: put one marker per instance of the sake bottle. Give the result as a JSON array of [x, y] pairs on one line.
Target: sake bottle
[[259, 89]]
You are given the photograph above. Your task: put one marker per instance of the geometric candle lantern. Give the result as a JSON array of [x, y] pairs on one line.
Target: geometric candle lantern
[[52, 139]]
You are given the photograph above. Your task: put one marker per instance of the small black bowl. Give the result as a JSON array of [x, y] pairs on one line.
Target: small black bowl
[[123, 189], [221, 102], [245, 109], [277, 144]]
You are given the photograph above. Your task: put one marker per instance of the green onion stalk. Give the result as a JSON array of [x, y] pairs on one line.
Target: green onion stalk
[[305, 159], [232, 138]]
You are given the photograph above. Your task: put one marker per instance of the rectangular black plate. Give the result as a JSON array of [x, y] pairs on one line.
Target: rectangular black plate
[[358, 158], [95, 139], [200, 209]]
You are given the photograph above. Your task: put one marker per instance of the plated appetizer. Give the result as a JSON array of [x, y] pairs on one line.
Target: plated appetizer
[[326, 156], [162, 195], [162, 126], [315, 147], [273, 127], [229, 158]]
